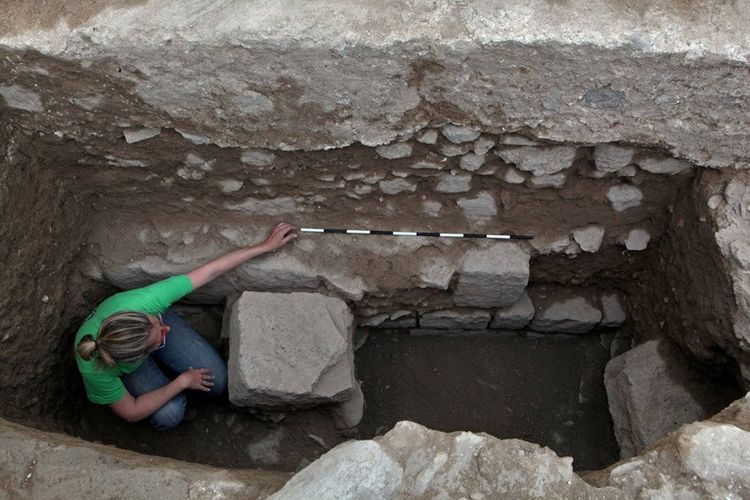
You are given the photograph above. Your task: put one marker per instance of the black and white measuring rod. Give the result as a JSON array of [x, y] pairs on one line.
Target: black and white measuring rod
[[415, 233]]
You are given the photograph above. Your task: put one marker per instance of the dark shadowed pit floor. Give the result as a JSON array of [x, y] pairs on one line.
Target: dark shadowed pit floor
[[544, 389]]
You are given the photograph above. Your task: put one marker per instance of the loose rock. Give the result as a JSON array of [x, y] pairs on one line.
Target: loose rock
[[589, 238], [624, 196], [564, 311]]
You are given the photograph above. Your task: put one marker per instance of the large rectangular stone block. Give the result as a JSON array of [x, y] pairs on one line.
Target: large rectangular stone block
[[492, 277], [290, 350]]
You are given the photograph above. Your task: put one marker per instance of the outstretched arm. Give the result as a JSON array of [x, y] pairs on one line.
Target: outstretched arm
[[281, 234]]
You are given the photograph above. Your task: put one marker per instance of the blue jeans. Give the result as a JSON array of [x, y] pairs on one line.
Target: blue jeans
[[184, 348]]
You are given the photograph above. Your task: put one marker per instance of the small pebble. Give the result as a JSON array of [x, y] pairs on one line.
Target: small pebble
[[45, 298]]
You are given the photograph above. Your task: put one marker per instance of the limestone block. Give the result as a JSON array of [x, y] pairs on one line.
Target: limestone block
[[589, 238], [653, 389], [613, 309], [479, 208], [612, 157], [454, 183], [458, 134], [18, 97], [662, 165], [472, 161], [257, 158], [133, 135], [455, 319], [637, 239], [516, 316], [543, 160], [290, 350], [436, 272], [395, 186], [624, 196], [492, 277], [428, 137], [394, 151], [560, 310]]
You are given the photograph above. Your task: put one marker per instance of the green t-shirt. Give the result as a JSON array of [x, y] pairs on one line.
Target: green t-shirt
[[103, 384]]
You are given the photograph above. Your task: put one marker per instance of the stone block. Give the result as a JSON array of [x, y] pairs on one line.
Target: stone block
[[458, 134], [624, 196], [453, 184], [612, 157], [516, 316], [495, 276], [589, 238], [652, 390], [637, 240], [455, 319], [479, 208], [561, 310], [290, 350], [663, 165], [613, 309], [394, 151]]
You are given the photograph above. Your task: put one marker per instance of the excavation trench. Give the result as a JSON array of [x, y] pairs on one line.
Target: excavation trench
[[86, 226]]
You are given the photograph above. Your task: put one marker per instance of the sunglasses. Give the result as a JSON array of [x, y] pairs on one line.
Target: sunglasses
[[163, 334]]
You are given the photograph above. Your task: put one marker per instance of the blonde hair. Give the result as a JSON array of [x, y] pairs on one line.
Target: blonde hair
[[123, 338]]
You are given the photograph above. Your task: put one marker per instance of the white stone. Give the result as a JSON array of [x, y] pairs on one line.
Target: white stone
[[230, 185], [480, 207], [628, 171], [273, 206], [589, 238], [472, 162], [133, 135], [431, 208], [624, 196], [362, 189], [573, 314], [428, 137], [451, 150], [290, 350], [348, 414], [516, 316], [543, 160], [483, 145], [190, 173], [663, 165], [394, 151], [458, 134], [495, 276], [18, 97], [550, 244], [513, 176], [427, 165], [613, 310], [652, 389], [448, 319], [714, 201], [89, 103], [637, 239], [610, 158], [395, 186], [194, 138], [548, 181], [453, 184], [257, 158]]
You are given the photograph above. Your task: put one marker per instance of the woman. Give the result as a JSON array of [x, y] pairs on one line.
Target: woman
[[125, 343]]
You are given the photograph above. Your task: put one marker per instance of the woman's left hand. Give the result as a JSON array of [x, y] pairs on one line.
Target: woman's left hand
[[281, 234]]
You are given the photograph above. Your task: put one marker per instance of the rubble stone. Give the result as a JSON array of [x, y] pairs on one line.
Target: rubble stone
[[472, 162], [543, 160], [663, 165], [459, 135], [394, 151], [637, 239], [453, 184], [613, 310], [589, 238], [610, 158], [564, 311], [624, 196], [395, 186], [257, 158], [428, 137], [480, 207], [290, 350], [133, 135], [18, 97]]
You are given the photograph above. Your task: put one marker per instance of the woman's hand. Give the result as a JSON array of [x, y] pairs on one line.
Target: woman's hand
[[199, 379], [281, 234]]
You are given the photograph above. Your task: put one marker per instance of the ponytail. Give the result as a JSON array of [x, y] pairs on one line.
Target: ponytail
[[123, 338]]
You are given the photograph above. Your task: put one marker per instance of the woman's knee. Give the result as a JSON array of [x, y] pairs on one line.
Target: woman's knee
[[170, 415], [220, 380]]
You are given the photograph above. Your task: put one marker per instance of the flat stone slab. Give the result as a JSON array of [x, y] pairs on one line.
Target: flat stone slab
[[290, 350], [516, 316], [495, 276], [455, 319], [653, 389]]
